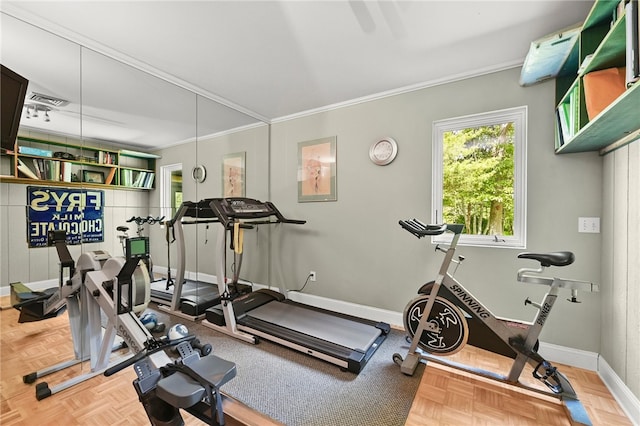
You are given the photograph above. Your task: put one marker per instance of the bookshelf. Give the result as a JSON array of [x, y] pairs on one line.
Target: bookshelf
[[67, 164], [601, 44]]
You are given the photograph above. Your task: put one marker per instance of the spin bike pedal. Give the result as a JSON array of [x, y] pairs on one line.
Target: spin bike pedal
[[547, 374]]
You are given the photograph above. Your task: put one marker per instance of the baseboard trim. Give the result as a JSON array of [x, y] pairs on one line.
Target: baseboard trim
[[622, 394], [375, 314], [574, 357]]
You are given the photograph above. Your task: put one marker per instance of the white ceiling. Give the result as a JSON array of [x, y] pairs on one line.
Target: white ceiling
[[277, 59]]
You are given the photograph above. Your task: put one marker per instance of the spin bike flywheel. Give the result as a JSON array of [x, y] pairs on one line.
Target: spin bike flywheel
[[453, 328]]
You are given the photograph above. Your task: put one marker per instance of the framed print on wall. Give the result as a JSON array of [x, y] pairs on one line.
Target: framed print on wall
[[91, 176], [233, 175], [317, 170]]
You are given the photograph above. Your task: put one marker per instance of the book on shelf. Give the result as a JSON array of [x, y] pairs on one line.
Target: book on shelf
[[25, 170], [566, 119], [568, 114], [562, 125], [28, 150], [105, 157], [66, 171], [618, 12], [125, 177], [559, 130], [36, 167], [110, 176], [149, 182], [137, 183], [136, 179], [48, 171], [52, 170], [574, 104], [633, 42]]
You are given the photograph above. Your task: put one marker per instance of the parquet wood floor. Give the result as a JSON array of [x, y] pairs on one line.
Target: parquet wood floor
[[445, 396], [448, 396], [112, 401]]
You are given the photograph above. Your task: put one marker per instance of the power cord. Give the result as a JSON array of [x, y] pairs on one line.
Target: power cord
[[304, 285], [233, 269]]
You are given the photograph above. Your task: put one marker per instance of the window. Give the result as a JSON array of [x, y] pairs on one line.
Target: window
[[479, 177], [170, 189]]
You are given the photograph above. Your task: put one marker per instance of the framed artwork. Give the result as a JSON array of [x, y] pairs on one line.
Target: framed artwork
[[91, 176], [233, 175], [317, 170]]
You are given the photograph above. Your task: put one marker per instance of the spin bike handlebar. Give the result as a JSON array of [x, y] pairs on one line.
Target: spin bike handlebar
[[420, 229], [142, 220]]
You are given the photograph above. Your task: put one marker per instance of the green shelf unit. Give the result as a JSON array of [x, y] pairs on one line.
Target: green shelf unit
[[601, 12], [610, 52], [137, 169], [112, 163], [604, 39], [615, 123]]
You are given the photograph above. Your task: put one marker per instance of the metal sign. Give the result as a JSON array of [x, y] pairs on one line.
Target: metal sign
[[79, 212]]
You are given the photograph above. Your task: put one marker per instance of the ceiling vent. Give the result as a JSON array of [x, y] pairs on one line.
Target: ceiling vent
[[48, 100]]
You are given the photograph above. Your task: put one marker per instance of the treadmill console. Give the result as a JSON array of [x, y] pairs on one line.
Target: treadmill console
[[229, 209], [243, 208]]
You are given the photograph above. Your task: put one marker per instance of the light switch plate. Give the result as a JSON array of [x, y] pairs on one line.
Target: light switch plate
[[589, 224]]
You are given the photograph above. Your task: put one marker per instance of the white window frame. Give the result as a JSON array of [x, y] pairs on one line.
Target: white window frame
[[517, 115], [165, 189]]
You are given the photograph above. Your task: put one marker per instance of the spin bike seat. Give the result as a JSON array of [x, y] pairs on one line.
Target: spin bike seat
[[557, 258]]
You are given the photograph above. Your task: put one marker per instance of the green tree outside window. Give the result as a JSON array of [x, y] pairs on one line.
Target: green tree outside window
[[479, 177]]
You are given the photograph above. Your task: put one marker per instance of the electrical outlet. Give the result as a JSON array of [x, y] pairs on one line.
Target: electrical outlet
[[312, 275]]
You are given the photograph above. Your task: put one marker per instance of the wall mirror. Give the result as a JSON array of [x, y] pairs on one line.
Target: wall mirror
[[34, 53], [108, 102]]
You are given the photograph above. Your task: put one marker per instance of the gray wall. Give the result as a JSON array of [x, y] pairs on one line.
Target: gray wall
[[620, 320], [360, 253]]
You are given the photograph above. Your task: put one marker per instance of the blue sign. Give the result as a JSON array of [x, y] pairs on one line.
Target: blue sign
[[79, 212]]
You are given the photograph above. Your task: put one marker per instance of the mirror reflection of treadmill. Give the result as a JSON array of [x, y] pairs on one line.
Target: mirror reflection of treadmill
[[195, 296], [186, 298]]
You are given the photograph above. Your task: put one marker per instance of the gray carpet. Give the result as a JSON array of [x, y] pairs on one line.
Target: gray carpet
[[297, 389]]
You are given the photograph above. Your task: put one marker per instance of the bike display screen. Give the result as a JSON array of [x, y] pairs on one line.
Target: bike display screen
[[137, 247]]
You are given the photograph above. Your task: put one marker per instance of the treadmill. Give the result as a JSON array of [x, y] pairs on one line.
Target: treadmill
[[344, 340], [180, 296]]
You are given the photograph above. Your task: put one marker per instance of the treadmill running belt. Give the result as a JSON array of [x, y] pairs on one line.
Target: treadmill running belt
[[341, 331], [189, 288]]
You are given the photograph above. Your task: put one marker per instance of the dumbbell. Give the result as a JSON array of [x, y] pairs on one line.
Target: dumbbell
[[205, 349]]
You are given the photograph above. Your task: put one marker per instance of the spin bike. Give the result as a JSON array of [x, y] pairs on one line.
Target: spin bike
[[446, 316]]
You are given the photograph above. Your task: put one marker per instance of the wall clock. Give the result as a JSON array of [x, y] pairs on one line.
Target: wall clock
[[199, 173], [383, 152]]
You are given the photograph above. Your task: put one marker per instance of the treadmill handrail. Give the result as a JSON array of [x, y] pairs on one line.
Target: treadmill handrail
[[196, 210]]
